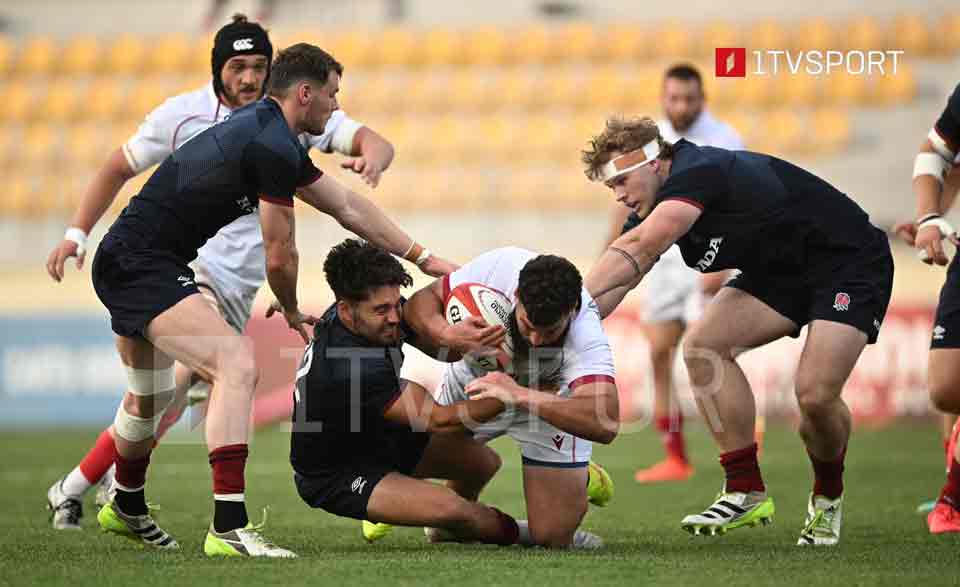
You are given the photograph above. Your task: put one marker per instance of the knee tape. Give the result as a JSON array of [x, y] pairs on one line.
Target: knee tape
[[146, 382], [134, 428]]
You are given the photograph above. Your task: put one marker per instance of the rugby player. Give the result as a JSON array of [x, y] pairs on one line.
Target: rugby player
[[561, 390], [673, 293], [808, 255], [229, 268], [251, 162], [937, 156]]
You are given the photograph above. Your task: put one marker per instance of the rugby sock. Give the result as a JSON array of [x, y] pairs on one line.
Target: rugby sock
[[131, 476], [93, 467], [671, 434], [230, 511], [828, 476], [951, 490], [742, 470], [509, 530]]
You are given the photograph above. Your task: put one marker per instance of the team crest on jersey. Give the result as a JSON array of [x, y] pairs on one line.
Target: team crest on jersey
[[558, 440], [357, 485], [938, 332], [841, 302]]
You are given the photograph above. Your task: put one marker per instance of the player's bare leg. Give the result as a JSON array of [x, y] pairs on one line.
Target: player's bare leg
[[944, 383], [556, 501], [734, 322], [664, 338], [829, 356], [405, 501], [197, 336]]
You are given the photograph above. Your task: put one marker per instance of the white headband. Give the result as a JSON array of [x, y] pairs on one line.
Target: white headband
[[629, 161]]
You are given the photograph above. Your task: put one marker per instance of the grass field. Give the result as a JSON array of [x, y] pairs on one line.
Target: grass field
[[889, 471]]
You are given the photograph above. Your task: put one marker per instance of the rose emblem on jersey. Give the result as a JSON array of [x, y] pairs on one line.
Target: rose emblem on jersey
[[841, 302]]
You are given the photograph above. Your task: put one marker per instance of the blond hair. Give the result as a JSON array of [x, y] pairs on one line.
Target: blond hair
[[622, 135]]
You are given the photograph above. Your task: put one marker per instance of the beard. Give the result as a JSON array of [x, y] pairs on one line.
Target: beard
[[683, 123], [535, 365]]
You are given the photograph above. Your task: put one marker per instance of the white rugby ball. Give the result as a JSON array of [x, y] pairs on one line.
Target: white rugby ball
[[476, 299]]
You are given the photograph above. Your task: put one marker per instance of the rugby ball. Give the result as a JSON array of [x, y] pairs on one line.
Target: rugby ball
[[476, 299]]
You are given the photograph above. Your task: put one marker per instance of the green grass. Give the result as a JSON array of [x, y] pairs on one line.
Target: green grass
[[889, 472]]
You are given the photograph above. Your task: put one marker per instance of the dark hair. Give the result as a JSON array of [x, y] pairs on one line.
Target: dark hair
[[299, 62], [549, 287], [354, 267], [684, 72]]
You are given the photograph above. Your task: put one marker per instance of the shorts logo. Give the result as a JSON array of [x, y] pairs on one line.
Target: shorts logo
[[841, 302], [357, 485], [558, 440], [246, 205], [243, 44], [731, 61], [938, 332], [184, 281]]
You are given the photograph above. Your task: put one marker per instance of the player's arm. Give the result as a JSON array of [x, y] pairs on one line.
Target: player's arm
[[100, 194], [282, 263], [362, 217], [631, 256], [415, 408], [931, 167], [372, 155], [424, 313], [592, 411]]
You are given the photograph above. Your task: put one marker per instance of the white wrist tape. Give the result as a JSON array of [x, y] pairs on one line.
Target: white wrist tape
[[931, 164], [424, 255], [945, 228], [78, 236], [940, 145]]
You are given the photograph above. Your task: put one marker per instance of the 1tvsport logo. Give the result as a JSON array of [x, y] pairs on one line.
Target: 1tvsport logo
[[733, 62]]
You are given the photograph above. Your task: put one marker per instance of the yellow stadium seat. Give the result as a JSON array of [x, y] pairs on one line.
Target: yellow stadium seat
[[170, 54], [449, 138], [199, 58], [9, 146], [623, 42], [531, 44], [717, 34], [517, 90], [799, 90], [486, 47], [743, 122], [355, 48], [842, 89], [397, 47], [766, 35], [469, 90], [61, 102], [863, 32], [605, 89], [911, 34], [18, 98], [754, 91], [947, 34], [7, 54], [559, 89], [433, 189], [38, 56], [425, 94], [17, 198], [544, 136], [895, 89], [126, 55], [673, 40], [642, 91], [571, 190], [815, 34], [576, 42], [146, 95], [496, 135], [85, 146], [442, 46], [41, 146], [104, 99], [410, 136], [786, 131], [81, 56], [831, 130]]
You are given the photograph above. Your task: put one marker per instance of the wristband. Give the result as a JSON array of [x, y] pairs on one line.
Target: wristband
[[76, 235]]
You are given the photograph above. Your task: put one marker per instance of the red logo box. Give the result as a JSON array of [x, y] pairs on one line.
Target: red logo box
[[731, 61]]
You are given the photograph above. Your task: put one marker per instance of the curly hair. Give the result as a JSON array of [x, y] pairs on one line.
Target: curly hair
[[299, 62], [549, 287], [622, 135], [354, 268]]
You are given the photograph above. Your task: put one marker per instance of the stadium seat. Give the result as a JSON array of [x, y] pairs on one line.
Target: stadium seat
[[485, 47], [544, 137], [423, 94], [86, 147], [199, 59], [61, 102], [145, 96], [531, 44], [845, 89], [799, 90], [717, 34], [469, 90], [396, 47], [896, 89], [517, 89], [9, 146], [126, 55], [815, 34], [767, 34], [41, 147], [37, 56], [560, 87], [576, 42], [863, 32], [496, 135], [947, 34], [81, 56], [605, 89], [831, 130], [7, 54], [674, 41], [745, 123], [103, 99], [642, 91], [169, 54], [17, 199], [442, 46], [355, 48], [911, 34], [18, 98], [783, 132], [623, 43]]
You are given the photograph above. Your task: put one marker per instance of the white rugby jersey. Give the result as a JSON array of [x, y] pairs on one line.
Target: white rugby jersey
[[234, 258], [585, 357], [705, 131]]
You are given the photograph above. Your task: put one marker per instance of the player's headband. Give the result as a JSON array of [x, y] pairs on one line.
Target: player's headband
[[627, 162]]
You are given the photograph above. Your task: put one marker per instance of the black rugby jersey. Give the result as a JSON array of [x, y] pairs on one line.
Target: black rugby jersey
[[214, 178], [948, 125]]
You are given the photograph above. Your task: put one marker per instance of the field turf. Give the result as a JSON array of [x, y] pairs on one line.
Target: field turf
[[889, 471]]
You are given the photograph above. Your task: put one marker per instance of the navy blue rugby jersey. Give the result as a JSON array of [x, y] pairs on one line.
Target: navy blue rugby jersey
[[214, 178], [948, 125], [761, 213]]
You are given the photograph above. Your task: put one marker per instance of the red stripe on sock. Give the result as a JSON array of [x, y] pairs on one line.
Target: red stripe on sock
[[228, 464], [828, 476], [99, 458], [742, 470], [951, 490], [131, 473]]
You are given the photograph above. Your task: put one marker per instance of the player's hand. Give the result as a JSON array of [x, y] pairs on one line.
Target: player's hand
[[58, 257], [907, 231], [496, 385], [295, 319], [435, 266], [474, 335], [369, 171], [929, 243]]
